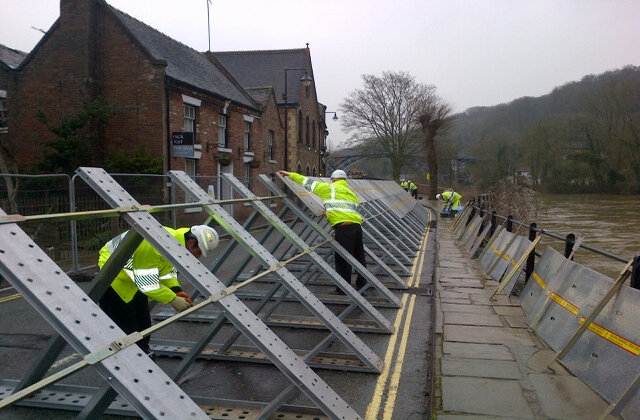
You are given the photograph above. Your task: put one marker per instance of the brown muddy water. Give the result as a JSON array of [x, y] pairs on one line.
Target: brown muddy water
[[608, 222]]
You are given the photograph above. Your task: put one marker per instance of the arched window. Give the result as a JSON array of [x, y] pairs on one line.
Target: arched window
[[299, 169], [299, 126], [313, 130], [307, 131], [308, 171]]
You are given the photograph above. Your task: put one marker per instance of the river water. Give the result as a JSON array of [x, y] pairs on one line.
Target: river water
[[608, 222]]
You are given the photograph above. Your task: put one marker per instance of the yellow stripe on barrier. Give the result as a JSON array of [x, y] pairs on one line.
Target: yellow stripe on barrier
[[498, 252], [565, 303], [613, 338], [599, 330], [539, 280]]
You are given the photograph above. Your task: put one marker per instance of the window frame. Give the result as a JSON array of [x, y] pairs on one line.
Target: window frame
[[222, 130]]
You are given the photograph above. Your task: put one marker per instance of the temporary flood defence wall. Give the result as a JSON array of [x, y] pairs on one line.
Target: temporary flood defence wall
[[558, 299], [294, 269]]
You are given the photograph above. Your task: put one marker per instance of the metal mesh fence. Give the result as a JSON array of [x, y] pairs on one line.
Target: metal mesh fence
[[74, 245]]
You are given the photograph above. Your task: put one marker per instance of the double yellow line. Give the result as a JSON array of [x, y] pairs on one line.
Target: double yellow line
[[10, 297], [389, 379]]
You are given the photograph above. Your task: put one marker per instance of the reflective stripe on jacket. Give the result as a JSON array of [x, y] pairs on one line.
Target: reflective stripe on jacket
[[146, 270], [340, 203]]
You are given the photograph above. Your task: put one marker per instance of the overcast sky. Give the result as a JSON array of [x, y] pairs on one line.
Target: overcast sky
[[476, 52]]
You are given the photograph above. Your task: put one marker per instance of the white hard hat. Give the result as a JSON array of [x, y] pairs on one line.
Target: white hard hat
[[207, 238], [438, 196], [339, 174]]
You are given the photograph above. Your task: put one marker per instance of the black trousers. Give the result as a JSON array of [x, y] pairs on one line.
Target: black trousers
[[132, 316], [350, 237]]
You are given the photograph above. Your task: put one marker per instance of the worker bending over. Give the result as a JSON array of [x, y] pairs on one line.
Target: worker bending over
[[450, 199], [148, 275], [341, 210]]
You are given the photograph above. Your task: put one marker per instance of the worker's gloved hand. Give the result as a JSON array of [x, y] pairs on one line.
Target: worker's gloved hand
[[186, 296], [180, 304]]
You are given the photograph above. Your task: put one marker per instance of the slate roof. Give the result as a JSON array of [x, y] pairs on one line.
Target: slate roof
[[266, 68], [185, 64], [10, 57], [260, 95]]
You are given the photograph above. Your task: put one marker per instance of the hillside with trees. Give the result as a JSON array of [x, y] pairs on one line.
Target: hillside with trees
[[582, 137]]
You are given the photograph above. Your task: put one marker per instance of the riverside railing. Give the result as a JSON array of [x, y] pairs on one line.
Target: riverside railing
[[479, 205]]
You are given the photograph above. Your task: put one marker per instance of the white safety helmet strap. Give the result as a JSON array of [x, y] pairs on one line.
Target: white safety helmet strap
[[206, 236]]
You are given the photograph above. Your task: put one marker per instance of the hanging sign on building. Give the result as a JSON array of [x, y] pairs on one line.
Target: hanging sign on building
[[182, 142]]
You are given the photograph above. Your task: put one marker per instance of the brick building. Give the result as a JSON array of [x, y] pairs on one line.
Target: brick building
[[306, 129], [163, 87], [9, 60]]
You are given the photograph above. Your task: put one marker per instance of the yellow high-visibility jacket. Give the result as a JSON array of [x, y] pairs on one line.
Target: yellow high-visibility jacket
[[412, 186], [340, 203], [405, 185], [452, 199], [146, 270]]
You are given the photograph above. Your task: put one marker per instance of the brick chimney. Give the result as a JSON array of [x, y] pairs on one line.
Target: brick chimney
[[78, 27]]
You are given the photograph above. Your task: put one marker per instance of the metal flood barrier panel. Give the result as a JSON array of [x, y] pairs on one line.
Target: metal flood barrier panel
[[385, 208], [88, 330], [607, 356], [78, 319], [503, 252]]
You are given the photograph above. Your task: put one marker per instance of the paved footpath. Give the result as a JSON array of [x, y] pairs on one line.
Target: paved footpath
[[488, 364]]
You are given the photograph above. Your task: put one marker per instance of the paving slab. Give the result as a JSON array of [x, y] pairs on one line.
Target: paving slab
[[501, 369], [488, 335], [475, 309], [499, 397], [516, 321], [453, 294], [462, 318], [471, 290], [455, 301], [567, 397], [477, 351], [451, 263], [460, 274], [509, 310], [475, 283]]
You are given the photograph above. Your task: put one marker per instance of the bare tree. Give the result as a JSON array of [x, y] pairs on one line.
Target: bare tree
[[434, 117], [384, 114]]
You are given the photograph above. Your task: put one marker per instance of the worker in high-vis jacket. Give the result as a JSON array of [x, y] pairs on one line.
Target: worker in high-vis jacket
[[341, 211], [413, 189], [450, 199], [148, 275], [404, 184]]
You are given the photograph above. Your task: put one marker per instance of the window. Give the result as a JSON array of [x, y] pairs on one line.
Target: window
[[247, 136], [313, 132], [190, 119], [307, 131], [270, 136], [247, 174], [222, 131], [299, 127], [3, 111], [190, 167]]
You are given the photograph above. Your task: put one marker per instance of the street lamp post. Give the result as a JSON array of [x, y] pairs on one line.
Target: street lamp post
[[306, 81], [323, 149]]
